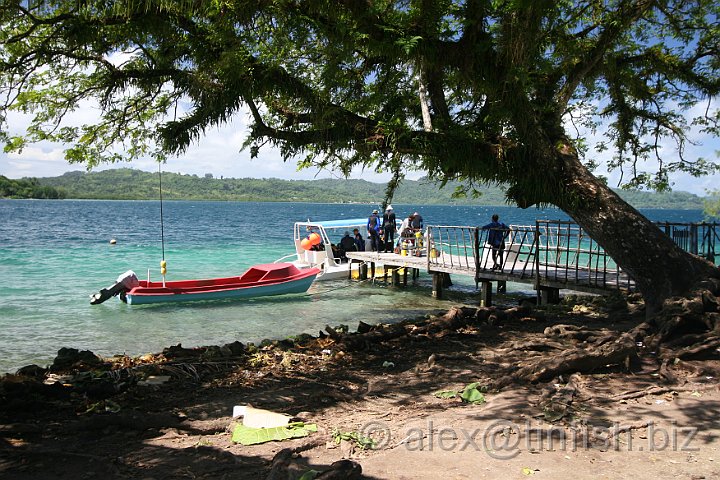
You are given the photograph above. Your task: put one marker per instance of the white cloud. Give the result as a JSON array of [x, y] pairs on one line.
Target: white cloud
[[218, 152]]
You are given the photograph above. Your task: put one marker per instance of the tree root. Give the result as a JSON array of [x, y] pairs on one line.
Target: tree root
[[626, 429], [706, 346], [655, 391], [283, 467], [557, 403], [454, 319], [585, 359]]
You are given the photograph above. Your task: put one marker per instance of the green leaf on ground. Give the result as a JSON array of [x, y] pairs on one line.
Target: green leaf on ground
[[446, 394], [362, 441], [253, 436], [472, 393], [309, 475]]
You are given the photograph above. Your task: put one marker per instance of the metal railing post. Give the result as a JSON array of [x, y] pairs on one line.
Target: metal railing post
[[537, 262]]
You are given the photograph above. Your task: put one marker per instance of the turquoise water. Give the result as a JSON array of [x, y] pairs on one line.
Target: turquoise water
[[55, 254]]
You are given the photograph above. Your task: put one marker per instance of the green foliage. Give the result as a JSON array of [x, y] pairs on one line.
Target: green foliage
[[362, 441], [28, 188], [335, 84], [711, 206], [473, 393], [253, 436], [129, 184]]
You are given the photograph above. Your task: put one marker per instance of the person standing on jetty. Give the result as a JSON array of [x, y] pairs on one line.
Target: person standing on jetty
[[373, 228], [417, 222], [496, 240], [388, 227]]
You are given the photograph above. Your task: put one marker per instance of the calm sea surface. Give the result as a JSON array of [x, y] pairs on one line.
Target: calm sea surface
[[55, 254]]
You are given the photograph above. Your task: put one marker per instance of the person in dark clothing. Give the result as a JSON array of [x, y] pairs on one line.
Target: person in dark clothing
[[347, 243], [389, 225], [496, 240], [359, 241], [417, 221], [373, 228]]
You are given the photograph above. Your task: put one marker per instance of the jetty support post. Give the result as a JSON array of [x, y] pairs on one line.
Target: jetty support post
[[363, 271], [485, 293], [396, 276], [437, 285], [549, 295]]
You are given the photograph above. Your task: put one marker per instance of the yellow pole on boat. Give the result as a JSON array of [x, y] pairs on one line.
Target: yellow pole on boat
[[163, 270]]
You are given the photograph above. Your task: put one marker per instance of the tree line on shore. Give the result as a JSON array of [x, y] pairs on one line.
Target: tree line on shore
[[132, 184], [28, 188]]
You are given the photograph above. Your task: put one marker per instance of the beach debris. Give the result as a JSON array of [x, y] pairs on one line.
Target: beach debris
[[261, 426], [103, 406], [288, 463], [245, 435], [387, 364], [472, 393], [260, 418], [529, 471], [152, 380], [363, 442]]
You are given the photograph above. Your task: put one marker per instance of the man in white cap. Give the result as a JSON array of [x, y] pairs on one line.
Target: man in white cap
[[373, 228], [389, 225]]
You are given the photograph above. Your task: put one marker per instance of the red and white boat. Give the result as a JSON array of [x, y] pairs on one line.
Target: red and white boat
[[257, 281]]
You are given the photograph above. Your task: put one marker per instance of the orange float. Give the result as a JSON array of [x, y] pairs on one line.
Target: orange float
[[305, 244], [314, 238]]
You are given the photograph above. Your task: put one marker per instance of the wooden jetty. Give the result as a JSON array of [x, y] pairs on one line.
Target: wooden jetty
[[550, 255]]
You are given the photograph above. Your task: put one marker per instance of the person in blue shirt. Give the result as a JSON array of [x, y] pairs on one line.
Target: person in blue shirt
[[373, 228], [496, 240]]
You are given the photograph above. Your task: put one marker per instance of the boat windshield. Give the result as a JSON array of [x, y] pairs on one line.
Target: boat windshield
[[302, 228], [348, 223]]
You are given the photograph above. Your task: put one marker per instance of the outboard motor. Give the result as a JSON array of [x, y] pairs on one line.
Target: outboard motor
[[124, 283]]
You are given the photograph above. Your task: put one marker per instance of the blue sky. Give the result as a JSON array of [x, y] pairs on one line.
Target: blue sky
[[219, 153]]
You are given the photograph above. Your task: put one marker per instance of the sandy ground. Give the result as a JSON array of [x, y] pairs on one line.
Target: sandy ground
[[617, 424]]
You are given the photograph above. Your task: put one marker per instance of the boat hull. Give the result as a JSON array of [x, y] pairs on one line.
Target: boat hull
[[258, 281]]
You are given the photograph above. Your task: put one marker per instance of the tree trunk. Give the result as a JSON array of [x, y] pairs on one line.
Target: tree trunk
[[659, 267]]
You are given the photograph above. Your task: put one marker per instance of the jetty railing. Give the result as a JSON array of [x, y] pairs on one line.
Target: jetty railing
[[698, 238], [552, 253], [567, 255], [467, 248]]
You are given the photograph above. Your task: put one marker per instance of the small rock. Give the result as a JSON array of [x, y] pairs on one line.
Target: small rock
[[72, 357], [32, 371]]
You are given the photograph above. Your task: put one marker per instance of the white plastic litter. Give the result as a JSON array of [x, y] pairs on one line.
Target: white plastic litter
[[259, 418]]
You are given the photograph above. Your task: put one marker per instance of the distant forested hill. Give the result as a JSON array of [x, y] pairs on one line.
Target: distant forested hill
[[27, 188], [130, 184]]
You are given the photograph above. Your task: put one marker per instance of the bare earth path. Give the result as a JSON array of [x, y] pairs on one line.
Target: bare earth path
[[618, 422]]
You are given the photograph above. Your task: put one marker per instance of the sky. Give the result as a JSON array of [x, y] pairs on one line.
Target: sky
[[218, 153]]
